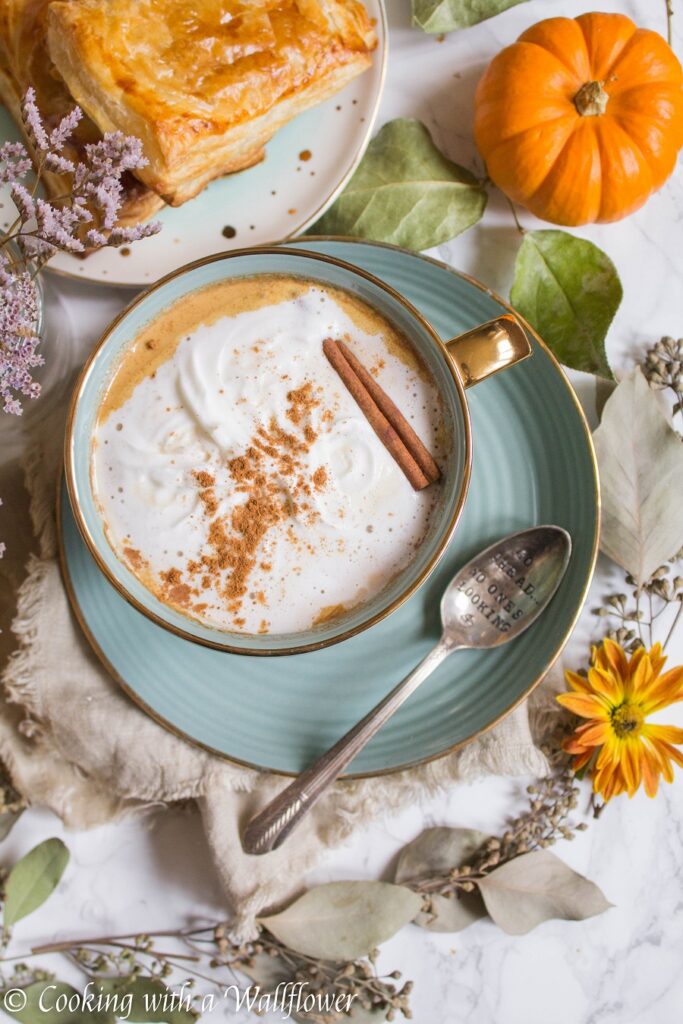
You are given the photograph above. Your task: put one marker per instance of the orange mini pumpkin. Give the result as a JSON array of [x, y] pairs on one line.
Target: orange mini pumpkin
[[581, 119]]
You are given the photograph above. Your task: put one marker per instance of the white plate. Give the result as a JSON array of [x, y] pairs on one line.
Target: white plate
[[279, 198]]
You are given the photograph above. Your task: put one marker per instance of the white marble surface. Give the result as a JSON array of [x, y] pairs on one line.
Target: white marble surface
[[622, 967]]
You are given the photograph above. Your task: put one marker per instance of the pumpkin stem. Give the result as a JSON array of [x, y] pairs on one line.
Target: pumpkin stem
[[591, 99]]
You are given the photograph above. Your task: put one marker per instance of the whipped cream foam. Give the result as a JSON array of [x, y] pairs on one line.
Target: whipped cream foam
[[236, 475]]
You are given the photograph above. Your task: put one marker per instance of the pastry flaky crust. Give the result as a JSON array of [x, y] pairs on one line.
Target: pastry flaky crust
[[24, 61], [204, 83]]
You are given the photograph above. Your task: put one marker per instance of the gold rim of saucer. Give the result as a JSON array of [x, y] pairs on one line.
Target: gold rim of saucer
[[350, 776], [345, 634]]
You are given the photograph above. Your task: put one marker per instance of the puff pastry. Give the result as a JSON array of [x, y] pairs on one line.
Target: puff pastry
[[204, 83], [24, 61]]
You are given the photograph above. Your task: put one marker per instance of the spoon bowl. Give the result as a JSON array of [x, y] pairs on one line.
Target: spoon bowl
[[504, 589]]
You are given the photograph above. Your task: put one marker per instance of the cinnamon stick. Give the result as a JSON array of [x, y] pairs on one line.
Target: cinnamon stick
[[387, 433], [398, 421]]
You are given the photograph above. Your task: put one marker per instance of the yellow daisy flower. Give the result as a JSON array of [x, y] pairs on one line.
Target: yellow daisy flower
[[617, 746]]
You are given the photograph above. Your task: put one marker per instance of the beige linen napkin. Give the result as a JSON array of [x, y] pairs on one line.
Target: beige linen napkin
[[75, 743]]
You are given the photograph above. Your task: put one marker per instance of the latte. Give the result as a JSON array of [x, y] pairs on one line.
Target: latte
[[237, 477]]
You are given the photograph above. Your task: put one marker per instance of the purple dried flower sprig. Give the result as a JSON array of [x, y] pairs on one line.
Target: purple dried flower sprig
[[15, 163], [82, 219], [18, 337]]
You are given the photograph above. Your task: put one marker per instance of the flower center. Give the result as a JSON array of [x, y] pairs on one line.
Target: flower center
[[626, 719]]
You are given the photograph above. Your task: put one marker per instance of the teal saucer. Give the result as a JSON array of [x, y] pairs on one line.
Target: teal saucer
[[533, 463]]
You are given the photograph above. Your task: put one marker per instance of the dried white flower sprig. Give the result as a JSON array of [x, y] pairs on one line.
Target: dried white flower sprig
[[81, 220]]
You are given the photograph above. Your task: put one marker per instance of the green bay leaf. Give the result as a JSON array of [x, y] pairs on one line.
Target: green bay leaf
[[569, 291], [406, 192], [452, 913], [33, 879], [436, 851], [344, 920], [640, 460], [448, 15], [537, 887]]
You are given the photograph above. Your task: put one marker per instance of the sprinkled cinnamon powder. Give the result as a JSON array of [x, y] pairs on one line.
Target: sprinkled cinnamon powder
[[245, 468], [235, 541], [208, 499], [180, 595], [177, 592], [301, 402], [275, 435], [207, 495]]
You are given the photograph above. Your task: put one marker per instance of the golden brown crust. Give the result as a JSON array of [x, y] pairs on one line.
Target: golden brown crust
[[24, 61], [204, 83]]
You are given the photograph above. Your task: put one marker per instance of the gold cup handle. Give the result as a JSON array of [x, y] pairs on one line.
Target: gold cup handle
[[489, 348]]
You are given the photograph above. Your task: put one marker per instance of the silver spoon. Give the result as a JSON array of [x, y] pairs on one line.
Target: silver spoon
[[490, 601]]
